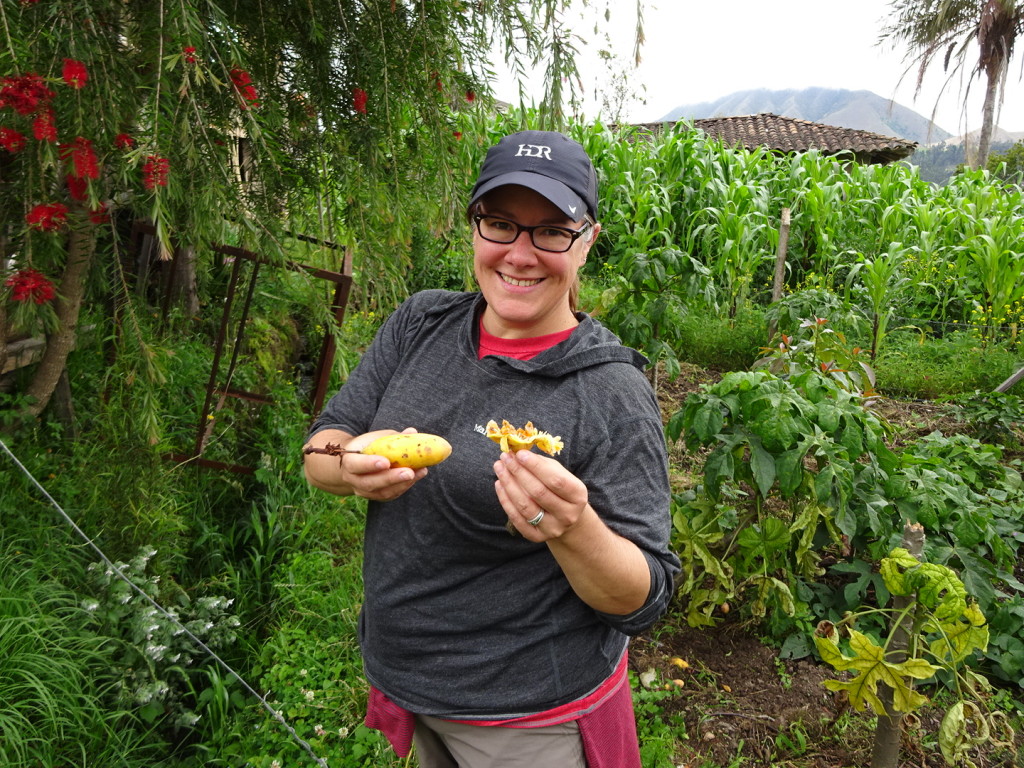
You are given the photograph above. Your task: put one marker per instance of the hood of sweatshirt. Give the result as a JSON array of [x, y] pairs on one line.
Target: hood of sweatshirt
[[590, 343]]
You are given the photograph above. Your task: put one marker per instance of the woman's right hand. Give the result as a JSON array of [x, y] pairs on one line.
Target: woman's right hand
[[369, 476]]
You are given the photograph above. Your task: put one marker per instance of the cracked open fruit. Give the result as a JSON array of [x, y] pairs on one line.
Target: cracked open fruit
[[524, 438]]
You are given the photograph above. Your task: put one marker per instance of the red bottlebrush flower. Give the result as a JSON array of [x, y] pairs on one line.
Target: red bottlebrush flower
[[47, 217], [78, 187], [25, 94], [83, 158], [28, 284], [123, 141], [470, 97], [74, 73], [154, 172], [249, 94], [359, 100], [189, 54], [243, 84], [44, 126], [100, 215], [11, 140]]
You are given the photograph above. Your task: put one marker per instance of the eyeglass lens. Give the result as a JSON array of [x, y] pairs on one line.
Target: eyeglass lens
[[547, 238]]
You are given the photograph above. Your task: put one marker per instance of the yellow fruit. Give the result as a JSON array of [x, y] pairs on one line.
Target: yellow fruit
[[512, 439], [415, 450]]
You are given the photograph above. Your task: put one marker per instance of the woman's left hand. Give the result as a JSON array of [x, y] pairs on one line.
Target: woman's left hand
[[529, 484]]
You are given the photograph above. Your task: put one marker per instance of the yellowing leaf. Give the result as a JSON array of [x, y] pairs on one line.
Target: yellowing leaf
[[893, 570], [963, 728], [871, 668], [939, 588], [967, 632]]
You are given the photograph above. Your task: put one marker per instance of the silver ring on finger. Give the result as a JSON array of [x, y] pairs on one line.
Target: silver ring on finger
[[535, 521]]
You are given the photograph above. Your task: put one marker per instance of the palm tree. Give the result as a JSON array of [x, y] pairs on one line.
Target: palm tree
[[948, 29]]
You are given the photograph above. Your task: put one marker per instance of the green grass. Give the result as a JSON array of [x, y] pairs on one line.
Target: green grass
[[912, 366], [55, 677], [722, 343]]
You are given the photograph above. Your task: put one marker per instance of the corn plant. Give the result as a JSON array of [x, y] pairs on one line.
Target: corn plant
[[998, 264], [719, 205], [882, 282]]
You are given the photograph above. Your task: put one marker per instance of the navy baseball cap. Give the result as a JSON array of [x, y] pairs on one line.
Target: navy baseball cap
[[547, 162]]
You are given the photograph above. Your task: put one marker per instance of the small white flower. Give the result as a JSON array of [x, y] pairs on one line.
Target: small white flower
[[309, 695], [303, 672], [343, 732], [275, 764], [155, 651], [319, 730]]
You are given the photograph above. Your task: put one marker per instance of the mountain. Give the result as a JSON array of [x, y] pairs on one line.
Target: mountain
[[999, 136], [860, 110]]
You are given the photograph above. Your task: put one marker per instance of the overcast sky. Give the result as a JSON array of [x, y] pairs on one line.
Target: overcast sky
[[701, 51]]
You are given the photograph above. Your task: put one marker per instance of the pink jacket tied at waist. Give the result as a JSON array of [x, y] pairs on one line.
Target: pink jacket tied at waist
[[605, 717]]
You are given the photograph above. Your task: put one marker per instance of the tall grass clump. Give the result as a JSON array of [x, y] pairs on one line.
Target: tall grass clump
[[56, 677], [927, 367]]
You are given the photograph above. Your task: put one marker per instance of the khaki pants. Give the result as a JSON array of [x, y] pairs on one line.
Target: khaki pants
[[443, 744]]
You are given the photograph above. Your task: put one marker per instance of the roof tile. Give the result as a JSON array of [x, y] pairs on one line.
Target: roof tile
[[787, 134]]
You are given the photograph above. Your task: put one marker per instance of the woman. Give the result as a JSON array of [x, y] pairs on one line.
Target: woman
[[498, 649]]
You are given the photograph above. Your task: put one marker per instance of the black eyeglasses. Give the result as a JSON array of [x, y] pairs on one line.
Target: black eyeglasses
[[545, 237]]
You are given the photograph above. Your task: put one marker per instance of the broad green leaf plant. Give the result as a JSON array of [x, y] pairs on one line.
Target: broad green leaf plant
[[778, 484]]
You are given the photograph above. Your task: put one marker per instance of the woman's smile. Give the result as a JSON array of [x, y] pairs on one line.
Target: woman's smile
[[521, 282]]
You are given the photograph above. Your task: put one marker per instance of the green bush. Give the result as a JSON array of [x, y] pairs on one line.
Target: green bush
[[721, 343]]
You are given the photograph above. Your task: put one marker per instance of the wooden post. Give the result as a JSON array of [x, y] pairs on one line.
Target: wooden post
[[780, 266], [1011, 381]]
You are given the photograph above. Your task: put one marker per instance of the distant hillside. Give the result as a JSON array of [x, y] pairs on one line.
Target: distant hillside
[[939, 162], [861, 110], [999, 136]]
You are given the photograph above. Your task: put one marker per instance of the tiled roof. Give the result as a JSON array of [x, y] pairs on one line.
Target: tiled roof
[[787, 134]]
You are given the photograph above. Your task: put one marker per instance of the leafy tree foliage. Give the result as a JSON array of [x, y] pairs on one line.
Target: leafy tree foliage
[[1008, 165], [237, 122]]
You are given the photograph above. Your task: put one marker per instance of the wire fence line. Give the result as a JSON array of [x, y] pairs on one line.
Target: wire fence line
[[164, 612]]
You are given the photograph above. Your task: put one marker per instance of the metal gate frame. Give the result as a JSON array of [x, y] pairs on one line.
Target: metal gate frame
[[343, 286]]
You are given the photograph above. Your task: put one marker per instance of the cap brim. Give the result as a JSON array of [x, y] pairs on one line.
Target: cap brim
[[563, 198]]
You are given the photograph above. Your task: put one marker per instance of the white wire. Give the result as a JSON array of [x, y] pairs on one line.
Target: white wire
[[274, 713]]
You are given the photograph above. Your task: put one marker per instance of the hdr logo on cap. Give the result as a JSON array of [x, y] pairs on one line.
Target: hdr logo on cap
[[534, 150], [549, 163]]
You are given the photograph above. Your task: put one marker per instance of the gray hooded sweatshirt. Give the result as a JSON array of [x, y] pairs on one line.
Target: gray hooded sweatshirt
[[461, 619]]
